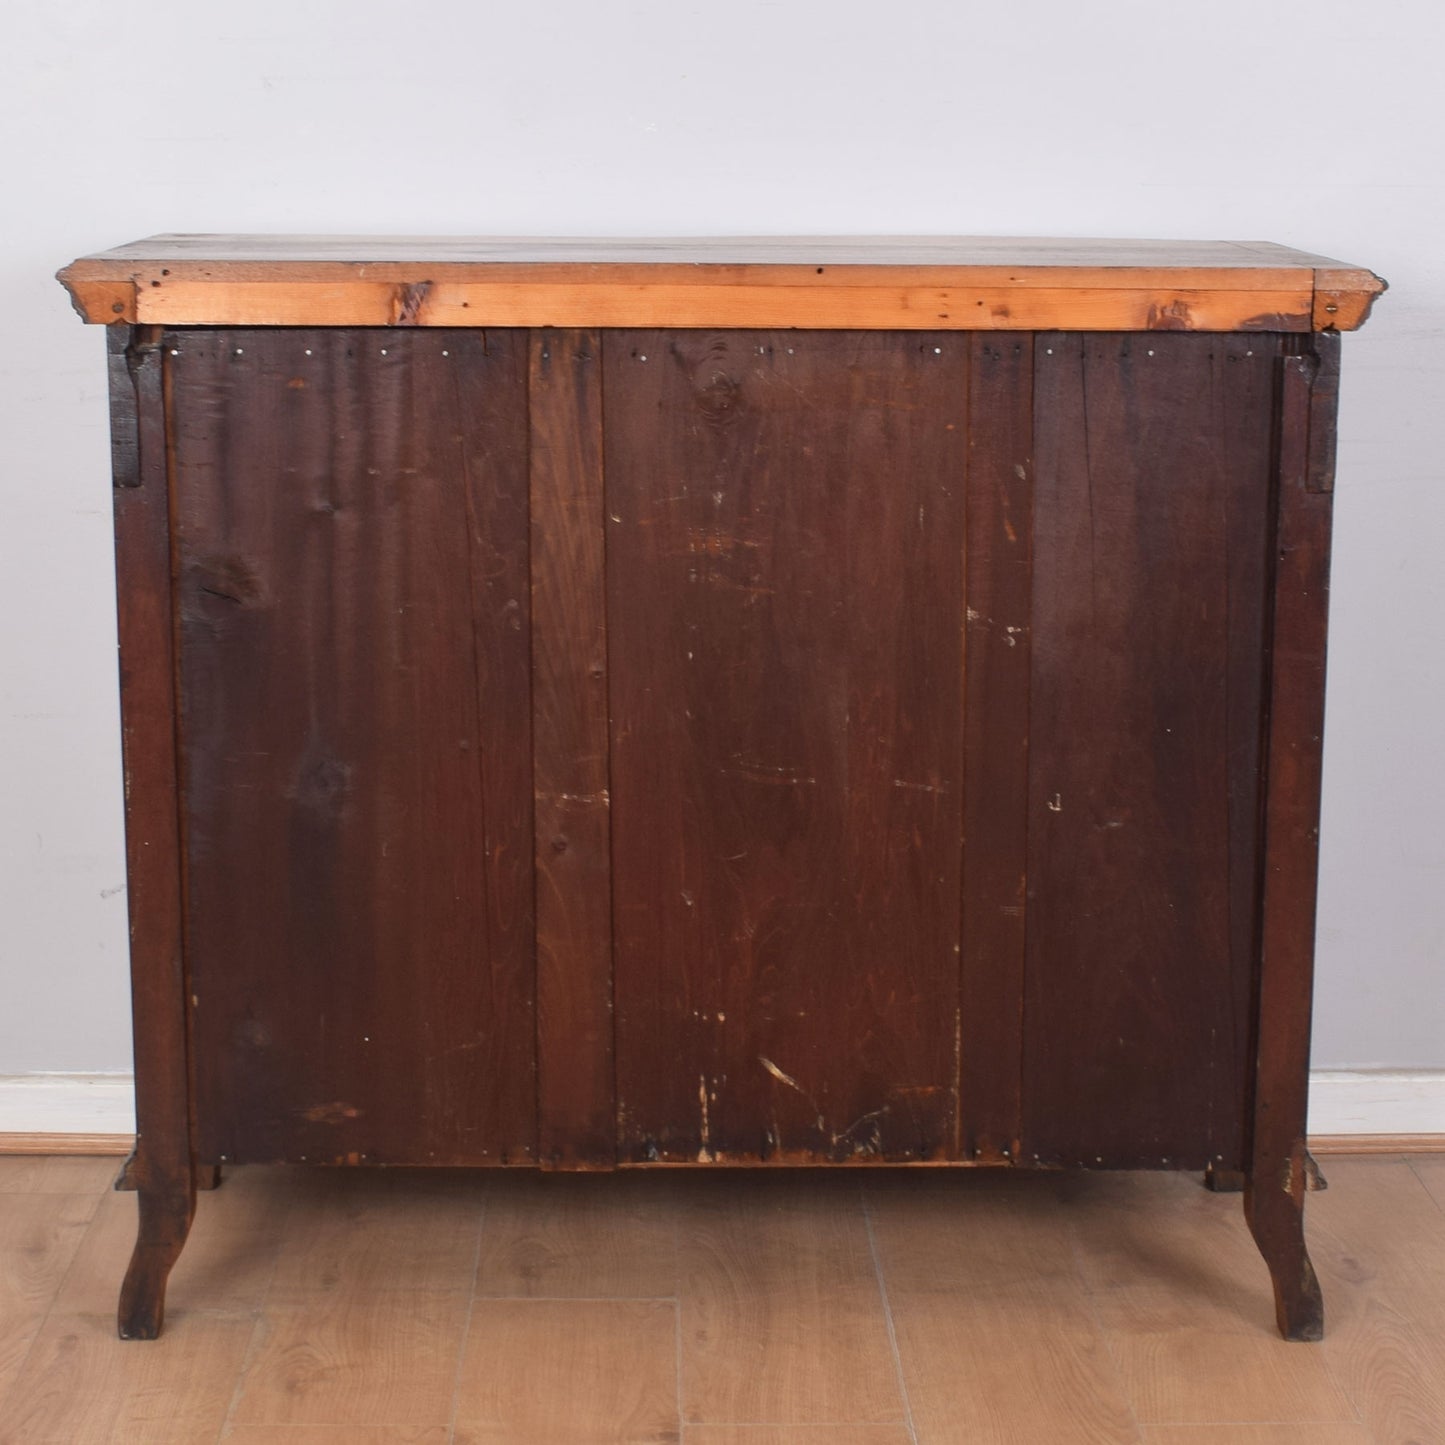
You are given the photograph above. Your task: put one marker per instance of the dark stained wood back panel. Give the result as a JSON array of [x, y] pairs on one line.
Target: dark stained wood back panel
[[785, 615], [576, 1110], [996, 743], [351, 512], [1153, 500]]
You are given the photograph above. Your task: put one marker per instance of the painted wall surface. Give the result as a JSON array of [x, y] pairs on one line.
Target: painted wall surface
[[1316, 125]]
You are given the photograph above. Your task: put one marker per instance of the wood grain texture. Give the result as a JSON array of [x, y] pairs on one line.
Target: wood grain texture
[[918, 304], [797, 1435], [575, 1085], [1379, 1239], [352, 550], [1162, 1269], [1416, 1144], [229, 252], [1272, 1434], [785, 593], [360, 1232], [340, 1435], [1185, 1306], [79, 1387], [578, 1236], [929, 283], [40, 1235], [36, 1142], [163, 1162], [1022, 1364], [601, 1371], [782, 1319], [1431, 1172], [1274, 1195], [386, 1357], [1150, 523], [995, 1337], [998, 582], [55, 1174], [1344, 297]]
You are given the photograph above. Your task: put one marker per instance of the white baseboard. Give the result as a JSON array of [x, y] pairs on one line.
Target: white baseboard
[[1377, 1101], [67, 1104], [1342, 1101]]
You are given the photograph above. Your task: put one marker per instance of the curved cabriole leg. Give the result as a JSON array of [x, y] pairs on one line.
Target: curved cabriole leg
[[165, 1221], [1274, 1208]]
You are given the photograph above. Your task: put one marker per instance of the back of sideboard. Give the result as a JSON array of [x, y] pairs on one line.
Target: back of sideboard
[[734, 746]]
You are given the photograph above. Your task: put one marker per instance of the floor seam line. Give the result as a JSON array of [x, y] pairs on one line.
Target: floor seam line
[[467, 1319], [873, 1251]]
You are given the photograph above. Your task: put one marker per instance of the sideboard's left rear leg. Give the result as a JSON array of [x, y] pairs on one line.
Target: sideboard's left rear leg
[[1279, 1165], [162, 1166]]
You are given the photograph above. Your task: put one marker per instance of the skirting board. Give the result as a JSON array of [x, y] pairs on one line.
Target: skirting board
[[1351, 1110]]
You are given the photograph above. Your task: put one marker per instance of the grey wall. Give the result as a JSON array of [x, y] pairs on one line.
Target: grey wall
[[1311, 124]]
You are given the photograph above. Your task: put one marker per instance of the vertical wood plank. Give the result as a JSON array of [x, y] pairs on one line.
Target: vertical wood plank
[[352, 533], [785, 598], [162, 1165], [999, 536], [575, 1087], [1244, 404], [1275, 1191], [1153, 469]]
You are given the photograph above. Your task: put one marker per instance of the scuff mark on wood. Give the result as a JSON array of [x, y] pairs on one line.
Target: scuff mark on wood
[[407, 303], [1171, 316], [334, 1113], [704, 1154], [779, 1075]]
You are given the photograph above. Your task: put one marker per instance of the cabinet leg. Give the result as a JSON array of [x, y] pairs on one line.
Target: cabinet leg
[[165, 1221], [1276, 1219]]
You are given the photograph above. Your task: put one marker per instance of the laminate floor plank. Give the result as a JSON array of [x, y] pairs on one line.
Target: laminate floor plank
[[355, 1357], [782, 1318], [995, 1334], [569, 1372], [363, 1229], [1430, 1170], [40, 1235], [1378, 1240], [1257, 1435], [578, 1236], [80, 1385], [339, 1435], [316, 1307], [1185, 1304], [796, 1435], [58, 1173]]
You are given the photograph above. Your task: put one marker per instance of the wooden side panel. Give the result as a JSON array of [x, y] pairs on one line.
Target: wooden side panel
[[996, 742], [1274, 1194], [785, 598], [575, 1087], [1151, 526], [352, 519], [162, 1164]]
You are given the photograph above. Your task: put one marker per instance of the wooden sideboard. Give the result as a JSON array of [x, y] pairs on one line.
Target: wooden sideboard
[[758, 702]]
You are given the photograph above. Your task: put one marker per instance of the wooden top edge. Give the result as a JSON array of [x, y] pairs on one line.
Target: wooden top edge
[[962, 251], [962, 283]]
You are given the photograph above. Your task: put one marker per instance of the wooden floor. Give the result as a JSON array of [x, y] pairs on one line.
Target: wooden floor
[[354, 1308]]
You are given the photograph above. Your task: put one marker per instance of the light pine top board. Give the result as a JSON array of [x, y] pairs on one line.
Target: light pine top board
[[899, 283]]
